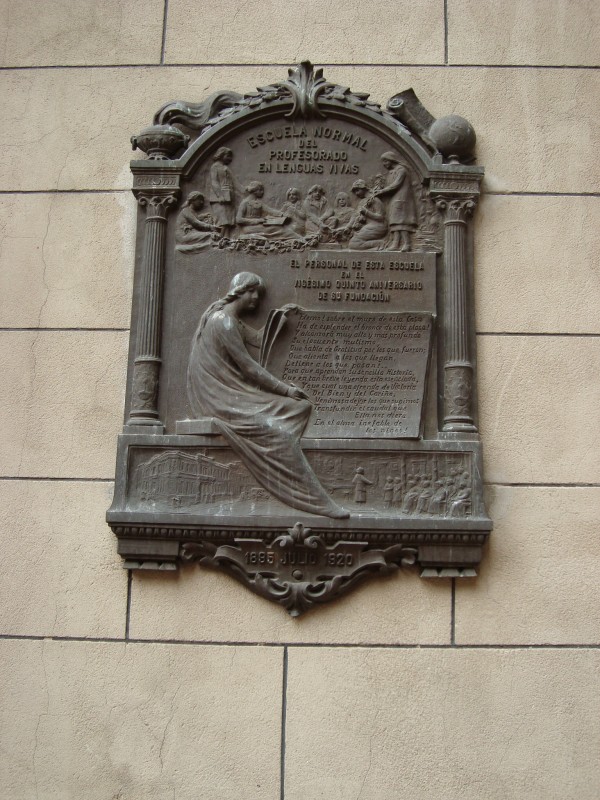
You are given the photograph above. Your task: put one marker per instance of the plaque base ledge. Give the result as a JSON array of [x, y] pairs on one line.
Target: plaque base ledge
[[363, 523]]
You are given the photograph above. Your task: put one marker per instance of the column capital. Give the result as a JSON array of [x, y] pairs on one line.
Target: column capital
[[157, 204], [456, 208]]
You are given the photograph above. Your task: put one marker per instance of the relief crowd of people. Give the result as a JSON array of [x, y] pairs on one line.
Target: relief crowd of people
[[448, 496], [420, 493]]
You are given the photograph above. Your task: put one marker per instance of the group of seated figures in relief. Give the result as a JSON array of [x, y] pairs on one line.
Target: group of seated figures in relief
[[447, 496], [381, 214]]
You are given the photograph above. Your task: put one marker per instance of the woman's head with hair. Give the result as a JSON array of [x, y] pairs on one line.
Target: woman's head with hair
[[292, 194], [240, 283], [243, 281], [255, 187], [194, 197], [360, 187], [223, 152], [342, 199], [390, 156]]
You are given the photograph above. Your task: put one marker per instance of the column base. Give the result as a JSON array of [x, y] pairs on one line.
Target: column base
[[144, 425], [460, 426]]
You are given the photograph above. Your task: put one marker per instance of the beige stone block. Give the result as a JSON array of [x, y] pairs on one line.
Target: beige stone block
[[61, 402], [537, 583], [63, 32], [139, 722], [278, 31], [537, 266], [66, 260], [62, 575], [453, 724], [537, 129], [539, 399], [74, 125], [402, 608], [532, 32]]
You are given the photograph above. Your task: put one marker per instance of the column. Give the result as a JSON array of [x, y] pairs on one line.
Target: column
[[143, 408], [458, 369]]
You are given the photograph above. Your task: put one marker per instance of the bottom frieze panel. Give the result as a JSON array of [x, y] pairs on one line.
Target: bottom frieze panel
[[415, 483]]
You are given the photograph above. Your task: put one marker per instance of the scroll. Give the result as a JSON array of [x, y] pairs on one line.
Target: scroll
[[365, 373]]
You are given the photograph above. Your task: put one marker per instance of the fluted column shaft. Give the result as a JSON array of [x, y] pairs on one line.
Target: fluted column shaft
[[146, 368], [458, 368]]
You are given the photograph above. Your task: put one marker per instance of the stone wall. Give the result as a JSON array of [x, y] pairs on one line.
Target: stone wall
[[144, 686]]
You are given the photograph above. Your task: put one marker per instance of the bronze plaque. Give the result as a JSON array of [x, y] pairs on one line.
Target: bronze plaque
[[301, 407]]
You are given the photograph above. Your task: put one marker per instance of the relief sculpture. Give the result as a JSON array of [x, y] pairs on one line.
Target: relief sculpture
[[302, 378], [261, 417], [293, 210], [369, 224], [438, 486], [384, 215], [256, 218], [181, 479], [402, 210], [195, 231], [222, 190]]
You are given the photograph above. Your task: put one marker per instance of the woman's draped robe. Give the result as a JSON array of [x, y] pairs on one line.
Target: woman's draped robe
[[402, 209], [262, 426], [193, 231]]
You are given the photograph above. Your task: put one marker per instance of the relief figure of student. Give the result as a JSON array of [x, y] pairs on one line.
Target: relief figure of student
[[222, 190], [370, 223], [292, 208], [194, 229], [256, 218], [320, 217]]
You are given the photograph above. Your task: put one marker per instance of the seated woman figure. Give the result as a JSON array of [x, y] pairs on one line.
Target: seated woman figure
[[343, 216], [292, 208], [319, 214], [256, 218], [193, 229], [261, 417], [342, 209]]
